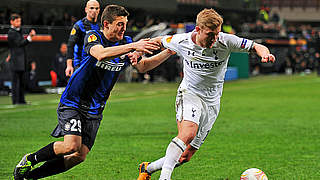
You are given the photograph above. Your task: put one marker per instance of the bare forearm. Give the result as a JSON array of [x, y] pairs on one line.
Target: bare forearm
[[261, 50], [101, 53], [147, 64], [264, 53]]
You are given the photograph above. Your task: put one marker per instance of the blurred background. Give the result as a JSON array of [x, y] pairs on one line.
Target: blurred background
[[290, 28]]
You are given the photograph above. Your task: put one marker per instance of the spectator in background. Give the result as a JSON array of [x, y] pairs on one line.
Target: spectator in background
[[76, 39], [58, 76], [227, 28], [32, 79], [17, 60], [275, 17], [66, 19], [264, 14]]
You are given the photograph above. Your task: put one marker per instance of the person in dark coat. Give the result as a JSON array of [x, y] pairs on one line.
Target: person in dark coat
[[17, 60], [58, 67]]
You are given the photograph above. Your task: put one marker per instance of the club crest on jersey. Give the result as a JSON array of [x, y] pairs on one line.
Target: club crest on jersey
[[110, 66], [244, 43], [67, 126], [92, 38], [169, 39], [73, 31], [193, 111]]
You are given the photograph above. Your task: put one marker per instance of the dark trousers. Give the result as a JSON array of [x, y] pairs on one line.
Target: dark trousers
[[18, 85]]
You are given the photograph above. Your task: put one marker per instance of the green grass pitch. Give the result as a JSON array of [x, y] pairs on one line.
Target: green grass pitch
[[268, 122]]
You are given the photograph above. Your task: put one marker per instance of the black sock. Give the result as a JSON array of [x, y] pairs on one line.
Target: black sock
[[49, 168], [44, 154]]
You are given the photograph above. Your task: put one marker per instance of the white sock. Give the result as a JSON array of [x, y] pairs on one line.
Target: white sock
[[173, 154], [156, 165]]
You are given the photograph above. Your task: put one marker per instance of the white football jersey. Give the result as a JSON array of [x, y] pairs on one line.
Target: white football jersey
[[204, 68]]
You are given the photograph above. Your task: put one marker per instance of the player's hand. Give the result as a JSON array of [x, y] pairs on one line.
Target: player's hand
[[32, 33], [268, 58], [133, 58], [69, 71], [146, 46]]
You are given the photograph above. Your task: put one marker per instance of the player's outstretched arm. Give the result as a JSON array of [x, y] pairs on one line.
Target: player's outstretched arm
[[263, 52], [146, 64], [143, 45]]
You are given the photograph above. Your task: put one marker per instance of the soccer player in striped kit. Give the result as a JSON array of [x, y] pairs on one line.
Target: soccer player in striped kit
[[83, 101], [77, 34]]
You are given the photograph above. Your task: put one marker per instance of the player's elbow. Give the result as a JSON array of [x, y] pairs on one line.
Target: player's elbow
[[99, 58]]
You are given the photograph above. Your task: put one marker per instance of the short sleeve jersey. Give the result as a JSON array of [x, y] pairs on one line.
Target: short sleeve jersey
[[89, 87], [205, 68]]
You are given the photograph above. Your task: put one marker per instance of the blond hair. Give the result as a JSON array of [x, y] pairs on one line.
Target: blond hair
[[209, 18]]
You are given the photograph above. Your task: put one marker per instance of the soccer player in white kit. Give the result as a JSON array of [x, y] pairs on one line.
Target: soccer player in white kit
[[205, 52]]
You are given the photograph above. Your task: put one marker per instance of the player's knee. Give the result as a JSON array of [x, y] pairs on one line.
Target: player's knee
[[72, 148], [189, 136]]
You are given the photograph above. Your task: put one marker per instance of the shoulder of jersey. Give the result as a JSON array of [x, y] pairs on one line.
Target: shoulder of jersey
[[92, 36], [176, 38], [223, 38], [74, 30]]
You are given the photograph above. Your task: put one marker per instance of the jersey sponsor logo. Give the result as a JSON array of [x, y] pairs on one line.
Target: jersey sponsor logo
[[169, 39], [73, 31], [211, 65], [92, 38], [244, 43], [110, 66]]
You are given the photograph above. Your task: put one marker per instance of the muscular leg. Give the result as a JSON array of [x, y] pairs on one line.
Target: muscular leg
[[76, 158], [187, 154], [187, 130], [185, 157], [69, 145], [62, 163]]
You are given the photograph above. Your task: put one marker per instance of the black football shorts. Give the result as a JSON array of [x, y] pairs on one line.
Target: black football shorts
[[72, 121]]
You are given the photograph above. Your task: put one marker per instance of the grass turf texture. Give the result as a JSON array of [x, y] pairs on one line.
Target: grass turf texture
[[268, 122]]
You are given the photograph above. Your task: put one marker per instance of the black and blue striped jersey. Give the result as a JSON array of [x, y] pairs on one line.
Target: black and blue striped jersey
[[76, 39], [90, 85]]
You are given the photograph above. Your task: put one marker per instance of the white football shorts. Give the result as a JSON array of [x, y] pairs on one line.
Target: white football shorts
[[191, 107]]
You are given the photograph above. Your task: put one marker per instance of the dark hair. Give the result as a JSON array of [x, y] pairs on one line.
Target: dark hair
[[110, 13], [14, 17]]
